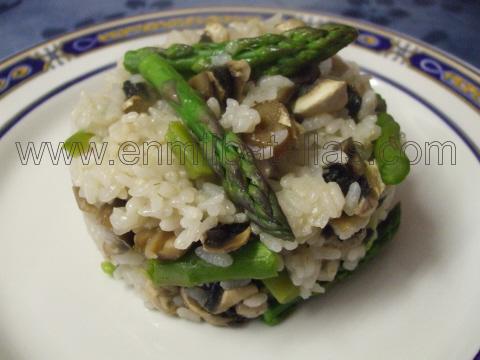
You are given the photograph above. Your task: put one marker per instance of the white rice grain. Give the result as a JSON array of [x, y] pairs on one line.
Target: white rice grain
[[221, 260]]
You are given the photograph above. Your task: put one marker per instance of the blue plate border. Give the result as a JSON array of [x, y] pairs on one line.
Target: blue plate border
[[57, 52]]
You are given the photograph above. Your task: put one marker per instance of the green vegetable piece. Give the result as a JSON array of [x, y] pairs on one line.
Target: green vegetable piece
[[108, 268], [225, 152], [392, 162], [277, 312], [385, 232], [187, 151], [282, 288], [269, 54], [77, 143], [252, 261]]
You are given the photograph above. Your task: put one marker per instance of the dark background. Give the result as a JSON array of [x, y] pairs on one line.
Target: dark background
[[452, 25]]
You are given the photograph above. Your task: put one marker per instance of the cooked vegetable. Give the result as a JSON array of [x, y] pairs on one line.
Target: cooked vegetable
[[252, 261], [194, 306], [277, 312], [78, 143], [325, 96], [385, 232], [392, 161], [225, 152], [108, 268], [222, 82], [232, 297], [225, 238], [157, 244], [354, 102], [140, 96], [187, 151], [282, 288], [269, 54], [275, 132]]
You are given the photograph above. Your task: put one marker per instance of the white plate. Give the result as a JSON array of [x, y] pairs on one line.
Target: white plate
[[419, 300]]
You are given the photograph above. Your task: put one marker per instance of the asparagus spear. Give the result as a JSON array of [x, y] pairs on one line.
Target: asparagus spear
[[225, 152], [187, 151], [277, 311], [252, 261], [269, 54], [392, 161]]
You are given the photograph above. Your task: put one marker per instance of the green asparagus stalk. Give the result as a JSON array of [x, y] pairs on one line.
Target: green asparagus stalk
[[277, 310], [225, 152], [187, 151], [252, 261], [270, 54], [78, 143], [392, 161], [282, 288]]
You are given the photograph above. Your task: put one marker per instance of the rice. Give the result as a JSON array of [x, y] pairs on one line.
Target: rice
[[157, 195], [221, 260]]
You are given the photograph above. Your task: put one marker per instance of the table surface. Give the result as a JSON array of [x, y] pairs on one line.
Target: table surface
[[451, 25]]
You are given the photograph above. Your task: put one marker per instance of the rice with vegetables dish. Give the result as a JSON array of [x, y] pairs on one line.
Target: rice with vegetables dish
[[259, 169]]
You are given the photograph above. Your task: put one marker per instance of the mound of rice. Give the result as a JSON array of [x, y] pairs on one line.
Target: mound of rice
[[158, 194]]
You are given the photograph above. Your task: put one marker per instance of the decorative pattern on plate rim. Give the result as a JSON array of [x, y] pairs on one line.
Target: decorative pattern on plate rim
[[55, 53]]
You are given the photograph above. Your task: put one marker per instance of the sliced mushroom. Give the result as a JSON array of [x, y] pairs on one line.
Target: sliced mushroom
[[162, 297], [201, 82], [275, 132], [216, 31], [346, 226], [241, 71], [250, 313], [111, 248], [157, 244], [225, 238], [232, 297], [197, 309], [222, 82], [339, 67], [369, 203], [325, 96], [136, 104], [82, 203], [140, 96], [289, 25]]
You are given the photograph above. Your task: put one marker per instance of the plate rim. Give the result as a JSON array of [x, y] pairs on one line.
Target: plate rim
[[204, 9], [468, 72], [471, 69]]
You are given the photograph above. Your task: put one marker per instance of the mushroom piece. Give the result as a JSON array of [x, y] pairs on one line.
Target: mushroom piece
[[157, 244], [225, 238], [339, 67], [222, 82], [82, 203], [161, 298], [136, 104], [325, 96], [289, 25], [197, 309], [240, 71], [216, 32], [140, 96], [232, 297], [250, 313], [201, 82], [275, 132], [346, 226]]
